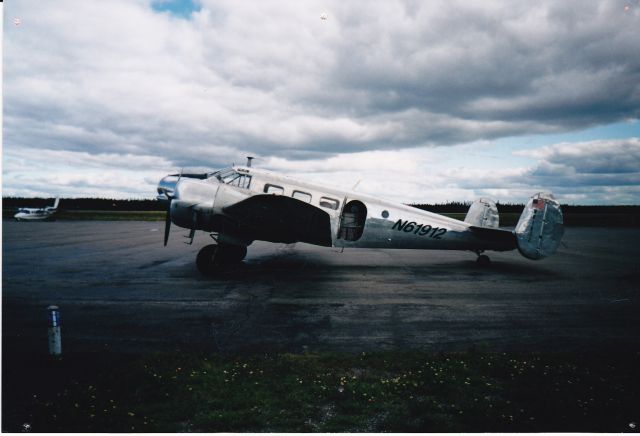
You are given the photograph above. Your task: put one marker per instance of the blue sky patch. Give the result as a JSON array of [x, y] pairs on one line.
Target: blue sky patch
[[179, 8]]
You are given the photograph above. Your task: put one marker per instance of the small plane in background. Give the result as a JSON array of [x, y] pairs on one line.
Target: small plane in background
[[34, 214], [241, 204]]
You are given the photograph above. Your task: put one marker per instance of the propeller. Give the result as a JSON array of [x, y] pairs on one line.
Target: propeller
[[183, 200], [167, 219], [167, 223]]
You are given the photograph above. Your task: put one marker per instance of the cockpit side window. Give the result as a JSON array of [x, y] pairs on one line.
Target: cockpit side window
[[240, 180]]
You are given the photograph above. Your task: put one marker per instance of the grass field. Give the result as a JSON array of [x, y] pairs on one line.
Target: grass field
[[328, 392]]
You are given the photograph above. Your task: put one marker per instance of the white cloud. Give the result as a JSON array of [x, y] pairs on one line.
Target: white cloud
[[80, 174], [117, 81]]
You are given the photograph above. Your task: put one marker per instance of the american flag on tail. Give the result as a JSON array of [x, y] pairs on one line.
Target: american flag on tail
[[538, 203]]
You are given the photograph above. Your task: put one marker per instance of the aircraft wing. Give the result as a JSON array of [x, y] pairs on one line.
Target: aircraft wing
[[277, 218], [505, 239]]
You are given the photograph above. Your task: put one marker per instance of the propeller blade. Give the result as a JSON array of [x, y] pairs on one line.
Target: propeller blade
[[167, 224]]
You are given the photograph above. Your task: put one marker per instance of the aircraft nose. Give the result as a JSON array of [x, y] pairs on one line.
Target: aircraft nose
[[167, 187], [190, 193], [194, 191]]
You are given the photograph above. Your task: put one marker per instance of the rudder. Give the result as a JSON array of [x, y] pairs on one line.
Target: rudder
[[483, 213], [540, 227]]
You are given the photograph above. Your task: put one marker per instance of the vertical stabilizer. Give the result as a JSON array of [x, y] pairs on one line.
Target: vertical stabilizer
[[483, 213], [540, 227]]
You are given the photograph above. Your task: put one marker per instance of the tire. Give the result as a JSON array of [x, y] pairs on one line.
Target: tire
[[483, 260], [205, 261], [230, 254], [213, 258]]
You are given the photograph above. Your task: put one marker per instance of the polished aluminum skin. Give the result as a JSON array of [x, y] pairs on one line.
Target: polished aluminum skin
[[540, 228], [483, 213], [239, 204]]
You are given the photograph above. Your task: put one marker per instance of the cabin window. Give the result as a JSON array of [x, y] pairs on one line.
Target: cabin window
[[302, 196], [329, 203], [273, 189]]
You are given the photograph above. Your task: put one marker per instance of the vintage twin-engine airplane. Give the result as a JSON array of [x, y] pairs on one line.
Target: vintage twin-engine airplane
[[33, 214], [241, 204]]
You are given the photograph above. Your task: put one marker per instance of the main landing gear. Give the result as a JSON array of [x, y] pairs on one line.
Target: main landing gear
[[482, 260], [216, 257]]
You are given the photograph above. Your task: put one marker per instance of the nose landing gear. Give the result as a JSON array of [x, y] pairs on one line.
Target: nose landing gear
[[216, 257]]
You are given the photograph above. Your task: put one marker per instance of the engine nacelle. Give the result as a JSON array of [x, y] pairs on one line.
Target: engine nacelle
[[192, 204], [540, 228]]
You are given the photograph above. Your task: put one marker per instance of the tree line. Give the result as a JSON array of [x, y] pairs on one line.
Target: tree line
[[154, 205], [85, 203]]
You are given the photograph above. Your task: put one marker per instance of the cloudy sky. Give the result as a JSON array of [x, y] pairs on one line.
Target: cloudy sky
[[421, 101]]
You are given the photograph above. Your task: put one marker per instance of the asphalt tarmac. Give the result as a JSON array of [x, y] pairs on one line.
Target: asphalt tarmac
[[120, 290]]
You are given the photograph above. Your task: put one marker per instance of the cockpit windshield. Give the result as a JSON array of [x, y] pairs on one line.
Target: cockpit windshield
[[229, 176]]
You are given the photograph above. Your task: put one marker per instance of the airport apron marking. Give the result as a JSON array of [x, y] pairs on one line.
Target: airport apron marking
[[419, 229]]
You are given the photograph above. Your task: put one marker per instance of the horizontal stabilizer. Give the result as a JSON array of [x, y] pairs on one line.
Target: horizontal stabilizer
[[277, 218], [505, 238]]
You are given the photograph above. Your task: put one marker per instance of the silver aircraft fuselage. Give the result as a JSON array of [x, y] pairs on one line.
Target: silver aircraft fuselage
[[382, 224]]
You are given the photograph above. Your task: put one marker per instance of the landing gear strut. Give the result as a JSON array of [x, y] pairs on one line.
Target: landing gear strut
[[215, 257], [483, 260]]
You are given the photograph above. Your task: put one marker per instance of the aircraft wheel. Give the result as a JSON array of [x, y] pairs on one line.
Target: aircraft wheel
[[212, 258], [483, 260], [206, 259], [237, 253]]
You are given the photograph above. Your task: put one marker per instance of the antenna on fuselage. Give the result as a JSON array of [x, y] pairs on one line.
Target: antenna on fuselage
[[249, 159]]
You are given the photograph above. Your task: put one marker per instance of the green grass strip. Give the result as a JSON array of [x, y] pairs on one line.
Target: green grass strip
[[326, 392]]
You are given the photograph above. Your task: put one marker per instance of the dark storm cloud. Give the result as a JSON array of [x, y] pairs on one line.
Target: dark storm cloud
[[271, 79], [594, 157], [605, 171], [552, 67], [589, 164]]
